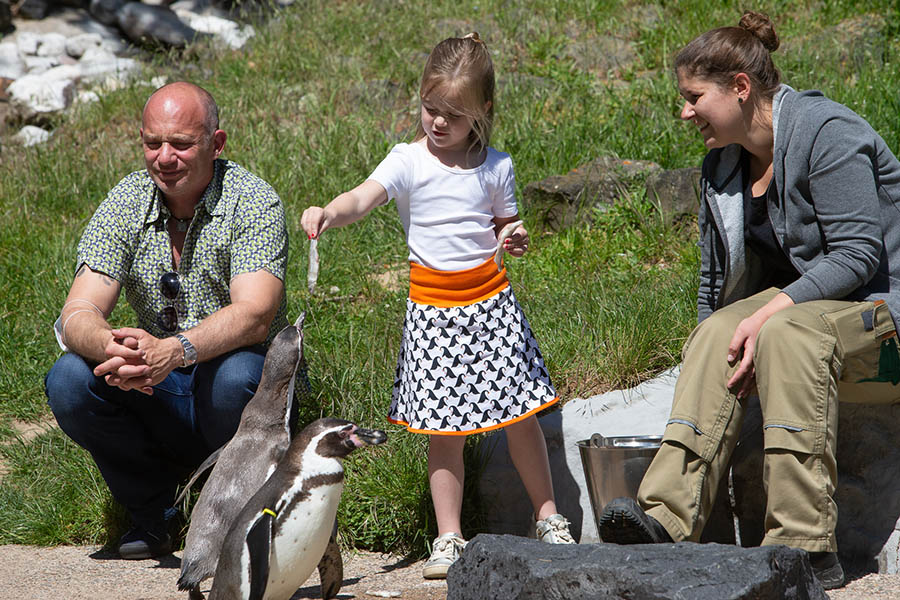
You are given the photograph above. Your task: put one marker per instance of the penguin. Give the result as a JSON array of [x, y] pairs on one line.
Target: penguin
[[244, 463], [282, 532]]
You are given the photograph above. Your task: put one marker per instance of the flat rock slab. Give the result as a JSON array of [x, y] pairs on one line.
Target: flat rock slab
[[517, 568]]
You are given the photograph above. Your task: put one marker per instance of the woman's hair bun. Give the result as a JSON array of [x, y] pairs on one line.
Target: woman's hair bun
[[762, 27]]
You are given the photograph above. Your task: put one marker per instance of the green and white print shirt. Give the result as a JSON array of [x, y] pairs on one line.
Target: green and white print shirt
[[238, 227]]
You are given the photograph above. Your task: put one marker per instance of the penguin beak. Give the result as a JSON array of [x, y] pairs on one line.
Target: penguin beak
[[368, 437]]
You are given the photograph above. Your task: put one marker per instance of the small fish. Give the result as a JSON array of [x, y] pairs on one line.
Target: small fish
[[504, 233], [312, 276]]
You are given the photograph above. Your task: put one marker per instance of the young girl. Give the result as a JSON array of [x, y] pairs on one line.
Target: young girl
[[468, 360]]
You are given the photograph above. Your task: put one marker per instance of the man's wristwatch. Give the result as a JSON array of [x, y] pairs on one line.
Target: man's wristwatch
[[190, 353]]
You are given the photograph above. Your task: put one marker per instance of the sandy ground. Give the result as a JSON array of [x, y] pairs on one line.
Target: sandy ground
[[91, 573]]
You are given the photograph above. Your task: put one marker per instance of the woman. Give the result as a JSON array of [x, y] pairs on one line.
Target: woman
[[799, 292]]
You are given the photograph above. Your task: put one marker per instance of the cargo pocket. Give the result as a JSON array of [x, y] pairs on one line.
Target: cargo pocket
[[685, 433], [778, 436], [866, 336]]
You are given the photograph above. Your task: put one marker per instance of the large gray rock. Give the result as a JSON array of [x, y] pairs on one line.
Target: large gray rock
[[105, 11], [560, 201], [675, 191], [515, 568], [144, 24]]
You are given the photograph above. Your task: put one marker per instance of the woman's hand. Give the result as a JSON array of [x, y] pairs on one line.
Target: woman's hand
[[743, 345]]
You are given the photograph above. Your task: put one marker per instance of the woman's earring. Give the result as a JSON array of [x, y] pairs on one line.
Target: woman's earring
[[740, 100]]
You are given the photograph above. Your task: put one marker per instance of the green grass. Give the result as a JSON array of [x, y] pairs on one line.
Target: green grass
[[312, 104]]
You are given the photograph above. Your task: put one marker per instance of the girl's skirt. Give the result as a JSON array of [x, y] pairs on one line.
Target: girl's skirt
[[468, 361]]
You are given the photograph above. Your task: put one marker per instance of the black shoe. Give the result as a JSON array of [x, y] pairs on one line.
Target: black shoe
[[827, 569], [624, 522], [139, 544]]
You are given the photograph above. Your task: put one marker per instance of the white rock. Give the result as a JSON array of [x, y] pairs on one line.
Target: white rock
[[97, 54], [11, 64], [228, 31], [72, 72], [36, 65], [117, 69], [86, 97], [52, 44], [32, 95], [77, 45], [31, 136], [28, 42]]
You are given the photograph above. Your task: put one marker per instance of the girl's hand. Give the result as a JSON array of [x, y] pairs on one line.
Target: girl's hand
[[314, 221], [517, 243]]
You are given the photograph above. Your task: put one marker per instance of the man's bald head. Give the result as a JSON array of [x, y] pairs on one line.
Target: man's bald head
[[185, 94], [181, 142]]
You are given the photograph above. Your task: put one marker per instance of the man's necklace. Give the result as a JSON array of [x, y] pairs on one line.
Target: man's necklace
[[181, 225]]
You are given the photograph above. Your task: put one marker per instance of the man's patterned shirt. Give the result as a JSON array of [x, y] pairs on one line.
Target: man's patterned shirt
[[238, 227]]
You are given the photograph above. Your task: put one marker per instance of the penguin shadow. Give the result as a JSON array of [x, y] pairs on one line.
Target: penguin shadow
[[169, 561], [315, 591]]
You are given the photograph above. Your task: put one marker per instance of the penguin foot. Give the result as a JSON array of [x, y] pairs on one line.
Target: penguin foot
[[195, 594]]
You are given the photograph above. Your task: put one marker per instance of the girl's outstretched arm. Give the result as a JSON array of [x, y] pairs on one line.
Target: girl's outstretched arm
[[517, 243], [346, 208]]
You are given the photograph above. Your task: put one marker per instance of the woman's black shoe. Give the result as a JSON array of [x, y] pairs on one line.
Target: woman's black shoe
[[623, 521], [827, 569]]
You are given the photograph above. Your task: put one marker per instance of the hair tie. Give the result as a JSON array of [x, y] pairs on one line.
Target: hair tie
[[474, 37]]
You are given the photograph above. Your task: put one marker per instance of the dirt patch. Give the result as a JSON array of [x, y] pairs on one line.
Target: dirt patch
[[25, 432]]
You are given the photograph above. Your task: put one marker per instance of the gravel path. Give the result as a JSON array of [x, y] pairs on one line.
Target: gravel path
[[91, 573]]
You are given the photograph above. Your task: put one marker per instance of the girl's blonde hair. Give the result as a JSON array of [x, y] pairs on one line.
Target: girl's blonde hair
[[461, 69]]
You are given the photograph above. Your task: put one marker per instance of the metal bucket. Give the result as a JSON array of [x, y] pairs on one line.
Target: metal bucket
[[614, 466]]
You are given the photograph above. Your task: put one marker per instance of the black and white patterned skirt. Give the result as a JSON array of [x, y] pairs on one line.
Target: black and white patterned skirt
[[466, 367]]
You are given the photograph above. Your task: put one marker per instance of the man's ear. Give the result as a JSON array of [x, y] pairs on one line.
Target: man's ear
[[219, 138]]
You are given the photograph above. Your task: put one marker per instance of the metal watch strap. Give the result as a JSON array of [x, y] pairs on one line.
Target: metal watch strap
[[190, 353]]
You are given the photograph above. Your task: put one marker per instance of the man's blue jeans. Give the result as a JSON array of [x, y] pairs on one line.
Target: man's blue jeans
[[146, 445]]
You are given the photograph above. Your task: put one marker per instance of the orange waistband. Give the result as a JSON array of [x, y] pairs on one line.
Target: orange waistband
[[455, 288]]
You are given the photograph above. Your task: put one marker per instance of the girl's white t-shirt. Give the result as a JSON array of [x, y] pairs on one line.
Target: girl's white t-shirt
[[446, 211]]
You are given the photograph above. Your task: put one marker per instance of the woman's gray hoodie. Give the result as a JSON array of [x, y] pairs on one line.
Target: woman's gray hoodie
[[836, 213]]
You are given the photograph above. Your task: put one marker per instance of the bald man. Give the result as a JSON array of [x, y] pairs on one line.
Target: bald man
[[199, 245]]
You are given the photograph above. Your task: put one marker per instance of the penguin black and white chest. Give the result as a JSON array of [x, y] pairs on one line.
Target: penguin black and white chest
[[282, 532], [246, 461]]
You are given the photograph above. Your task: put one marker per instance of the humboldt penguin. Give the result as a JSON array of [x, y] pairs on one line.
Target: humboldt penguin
[[244, 463], [282, 532]]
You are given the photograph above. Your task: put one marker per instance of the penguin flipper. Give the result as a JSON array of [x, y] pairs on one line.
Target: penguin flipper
[[259, 540], [331, 569], [206, 464]]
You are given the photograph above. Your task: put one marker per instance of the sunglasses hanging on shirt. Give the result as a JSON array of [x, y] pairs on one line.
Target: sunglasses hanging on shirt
[[170, 286]]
